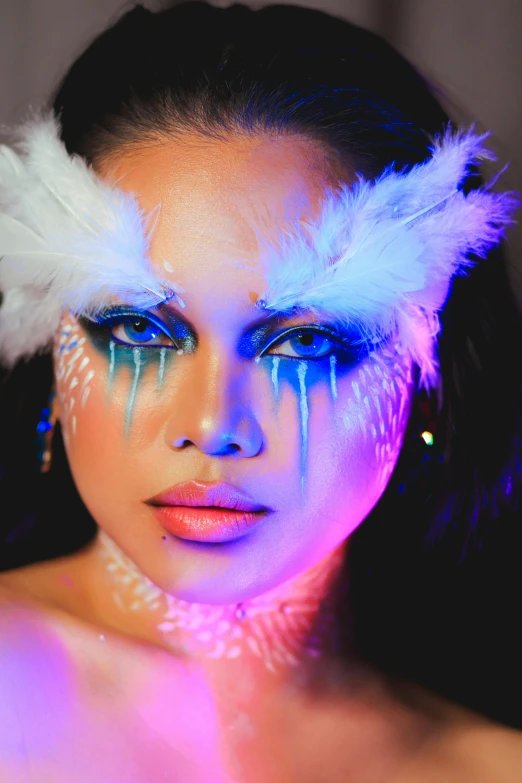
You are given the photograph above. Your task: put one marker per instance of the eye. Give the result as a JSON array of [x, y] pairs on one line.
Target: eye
[[140, 331], [306, 343]]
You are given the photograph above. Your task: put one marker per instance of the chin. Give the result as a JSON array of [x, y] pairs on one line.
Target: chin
[[219, 592]]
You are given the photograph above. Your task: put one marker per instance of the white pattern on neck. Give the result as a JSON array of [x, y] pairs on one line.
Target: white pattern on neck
[[274, 626]]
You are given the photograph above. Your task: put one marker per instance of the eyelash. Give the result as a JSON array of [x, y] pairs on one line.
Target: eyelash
[[109, 322], [341, 343]]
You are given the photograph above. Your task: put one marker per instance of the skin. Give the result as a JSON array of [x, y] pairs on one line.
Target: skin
[[110, 641], [316, 450], [315, 441]]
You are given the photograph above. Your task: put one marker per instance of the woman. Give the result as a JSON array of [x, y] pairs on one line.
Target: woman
[[237, 276]]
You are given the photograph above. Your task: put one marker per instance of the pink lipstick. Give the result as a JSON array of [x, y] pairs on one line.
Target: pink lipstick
[[210, 512]]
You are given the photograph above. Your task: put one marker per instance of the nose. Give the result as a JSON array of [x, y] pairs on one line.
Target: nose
[[212, 407]]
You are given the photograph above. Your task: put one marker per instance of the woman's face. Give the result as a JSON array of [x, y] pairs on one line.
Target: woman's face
[[216, 391]]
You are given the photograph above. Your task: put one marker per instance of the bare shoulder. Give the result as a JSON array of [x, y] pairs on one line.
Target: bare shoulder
[[20, 616], [472, 751], [27, 640], [46, 721], [492, 751], [401, 743], [29, 660]]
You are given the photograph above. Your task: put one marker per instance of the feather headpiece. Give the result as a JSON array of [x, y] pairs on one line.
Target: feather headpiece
[[67, 240], [380, 256]]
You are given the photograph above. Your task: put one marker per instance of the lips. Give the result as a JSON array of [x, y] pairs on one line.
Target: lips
[[210, 512]]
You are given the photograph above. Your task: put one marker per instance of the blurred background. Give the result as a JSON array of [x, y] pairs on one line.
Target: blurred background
[[471, 50]]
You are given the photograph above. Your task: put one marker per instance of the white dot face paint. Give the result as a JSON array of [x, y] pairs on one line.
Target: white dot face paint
[[72, 373], [273, 629], [312, 441]]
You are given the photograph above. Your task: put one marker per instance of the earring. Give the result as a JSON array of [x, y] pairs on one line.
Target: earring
[[44, 435]]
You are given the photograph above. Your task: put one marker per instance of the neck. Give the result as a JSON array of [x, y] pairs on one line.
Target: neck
[[276, 631]]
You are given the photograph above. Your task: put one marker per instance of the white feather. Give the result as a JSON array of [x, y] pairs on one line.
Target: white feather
[[67, 241], [381, 255]]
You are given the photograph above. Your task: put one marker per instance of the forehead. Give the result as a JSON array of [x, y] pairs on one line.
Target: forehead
[[212, 198]]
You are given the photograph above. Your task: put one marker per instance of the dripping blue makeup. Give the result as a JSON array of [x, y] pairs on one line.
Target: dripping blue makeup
[[337, 351], [254, 343], [322, 351], [140, 327]]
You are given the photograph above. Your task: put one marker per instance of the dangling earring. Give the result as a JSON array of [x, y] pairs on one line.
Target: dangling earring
[[44, 434]]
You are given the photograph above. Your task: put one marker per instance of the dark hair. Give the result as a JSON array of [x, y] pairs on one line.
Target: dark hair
[[433, 571]]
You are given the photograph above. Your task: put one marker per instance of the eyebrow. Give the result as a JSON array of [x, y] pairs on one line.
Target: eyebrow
[[270, 318]]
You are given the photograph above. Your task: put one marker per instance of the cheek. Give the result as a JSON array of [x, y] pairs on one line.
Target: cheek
[[382, 390], [332, 437], [74, 374], [113, 406], [356, 435], [99, 385], [94, 403]]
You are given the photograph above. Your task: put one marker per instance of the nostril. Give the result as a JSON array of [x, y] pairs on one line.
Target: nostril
[[228, 448], [225, 434], [231, 448], [183, 443]]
